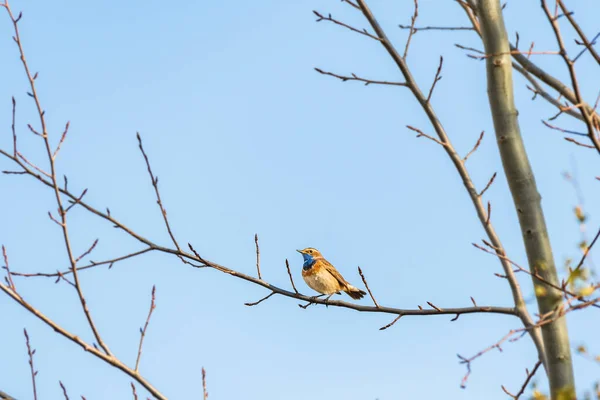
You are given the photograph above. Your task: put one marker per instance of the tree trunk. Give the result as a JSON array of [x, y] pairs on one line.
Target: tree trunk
[[526, 197]]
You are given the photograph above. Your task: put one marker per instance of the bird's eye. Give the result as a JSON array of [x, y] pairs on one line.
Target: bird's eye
[[310, 251]]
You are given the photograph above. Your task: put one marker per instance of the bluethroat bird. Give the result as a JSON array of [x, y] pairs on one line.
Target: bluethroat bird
[[320, 275]]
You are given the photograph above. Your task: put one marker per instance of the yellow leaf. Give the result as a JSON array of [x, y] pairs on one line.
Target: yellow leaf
[[586, 291], [581, 349]]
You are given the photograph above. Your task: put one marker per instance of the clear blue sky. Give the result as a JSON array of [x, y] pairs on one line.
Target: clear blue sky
[[246, 138]]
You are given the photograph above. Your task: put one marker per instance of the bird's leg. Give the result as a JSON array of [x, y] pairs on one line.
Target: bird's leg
[[310, 302], [327, 299]]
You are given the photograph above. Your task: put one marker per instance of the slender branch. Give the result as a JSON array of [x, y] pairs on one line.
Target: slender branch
[[588, 45], [488, 185], [92, 264], [30, 354], [587, 117], [587, 146], [257, 255], [9, 274], [585, 252], [474, 149], [143, 330], [157, 192], [437, 28], [204, 391], [527, 380], [557, 128], [411, 32], [335, 21], [64, 390], [134, 392], [436, 78], [367, 82], [367, 286], [260, 301], [287, 265]]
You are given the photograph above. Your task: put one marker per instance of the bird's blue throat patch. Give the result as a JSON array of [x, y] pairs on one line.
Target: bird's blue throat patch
[[309, 261]]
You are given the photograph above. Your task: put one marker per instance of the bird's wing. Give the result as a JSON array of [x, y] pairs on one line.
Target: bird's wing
[[331, 269]]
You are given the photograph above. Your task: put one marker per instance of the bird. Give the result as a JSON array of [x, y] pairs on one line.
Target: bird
[[321, 276]]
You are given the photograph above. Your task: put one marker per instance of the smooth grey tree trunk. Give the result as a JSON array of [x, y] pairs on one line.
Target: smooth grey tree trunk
[[526, 197]]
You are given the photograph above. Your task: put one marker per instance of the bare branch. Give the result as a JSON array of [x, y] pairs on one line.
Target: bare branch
[[588, 45], [287, 265], [260, 301], [30, 354], [367, 286], [587, 117], [257, 255], [585, 252], [157, 192], [488, 185], [527, 380], [437, 28], [557, 128], [436, 79], [474, 149], [204, 391], [367, 82], [143, 330], [421, 134], [9, 280], [412, 31], [335, 21]]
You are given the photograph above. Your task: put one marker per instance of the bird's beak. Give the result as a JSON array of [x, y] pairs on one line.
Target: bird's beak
[[299, 251]]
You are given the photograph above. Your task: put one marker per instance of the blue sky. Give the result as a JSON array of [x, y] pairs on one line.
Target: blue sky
[[247, 138]]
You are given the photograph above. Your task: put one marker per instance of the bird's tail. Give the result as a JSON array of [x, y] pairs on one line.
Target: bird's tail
[[355, 292]]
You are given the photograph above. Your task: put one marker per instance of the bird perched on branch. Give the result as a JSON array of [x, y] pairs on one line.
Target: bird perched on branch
[[320, 275]]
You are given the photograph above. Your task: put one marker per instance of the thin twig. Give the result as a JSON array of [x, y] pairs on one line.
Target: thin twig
[[157, 192], [435, 79], [9, 274], [585, 252], [335, 21], [204, 391], [62, 139], [287, 265], [557, 128], [143, 330], [260, 301], [437, 28], [412, 31], [391, 323], [88, 251], [257, 255], [354, 77], [135, 396], [367, 286], [488, 184], [587, 117], [587, 146], [524, 386], [64, 390], [30, 354], [588, 45], [91, 265], [421, 134], [464, 160]]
